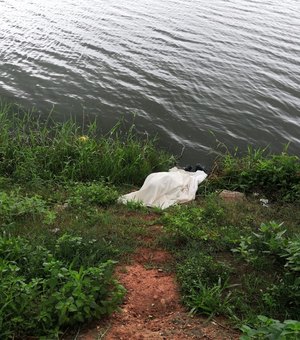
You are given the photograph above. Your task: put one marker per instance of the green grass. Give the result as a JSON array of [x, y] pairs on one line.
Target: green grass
[[62, 231], [43, 291], [231, 263], [58, 273], [36, 150], [277, 176]]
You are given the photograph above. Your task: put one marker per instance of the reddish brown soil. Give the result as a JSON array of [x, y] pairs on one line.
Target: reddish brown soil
[[152, 309]]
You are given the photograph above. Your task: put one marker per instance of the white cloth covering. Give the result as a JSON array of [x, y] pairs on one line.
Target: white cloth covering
[[163, 189]]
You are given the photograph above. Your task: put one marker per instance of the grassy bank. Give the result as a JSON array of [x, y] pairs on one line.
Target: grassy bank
[[36, 150], [242, 259], [62, 231], [58, 252]]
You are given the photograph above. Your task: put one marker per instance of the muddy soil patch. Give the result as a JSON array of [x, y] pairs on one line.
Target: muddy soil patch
[[152, 308]]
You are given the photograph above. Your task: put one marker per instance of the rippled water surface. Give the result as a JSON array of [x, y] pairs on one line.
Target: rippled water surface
[[186, 68]]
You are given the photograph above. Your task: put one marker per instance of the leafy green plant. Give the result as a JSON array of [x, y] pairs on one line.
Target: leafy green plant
[[271, 246], [188, 222], [291, 252], [13, 206], [40, 294], [136, 206], [245, 249], [268, 240], [96, 193], [267, 328], [80, 251], [184, 221], [276, 176], [271, 236]]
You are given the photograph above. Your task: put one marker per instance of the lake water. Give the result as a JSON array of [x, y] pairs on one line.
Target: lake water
[[192, 71]]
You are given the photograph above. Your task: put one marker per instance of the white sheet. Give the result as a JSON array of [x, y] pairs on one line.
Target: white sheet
[[163, 189]]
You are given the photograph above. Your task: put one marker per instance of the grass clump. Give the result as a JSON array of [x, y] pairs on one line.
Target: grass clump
[[203, 283], [14, 205], [275, 176], [95, 193], [32, 150]]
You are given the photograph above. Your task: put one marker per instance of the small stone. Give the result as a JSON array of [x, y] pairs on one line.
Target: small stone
[[233, 196], [163, 301]]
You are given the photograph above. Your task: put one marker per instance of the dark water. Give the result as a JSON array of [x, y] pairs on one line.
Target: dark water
[[191, 70]]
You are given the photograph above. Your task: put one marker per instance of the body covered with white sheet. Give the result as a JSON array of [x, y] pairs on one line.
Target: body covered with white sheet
[[163, 189]]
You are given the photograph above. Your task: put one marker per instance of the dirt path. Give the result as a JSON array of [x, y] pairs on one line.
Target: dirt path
[[152, 308]]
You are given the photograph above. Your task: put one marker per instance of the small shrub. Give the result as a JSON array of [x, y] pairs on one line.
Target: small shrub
[[190, 222], [292, 254], [40, 295], [267, 328], [276, 176], [13, 206], [96, 193], [270, 239], [245, 249], [271, 246]]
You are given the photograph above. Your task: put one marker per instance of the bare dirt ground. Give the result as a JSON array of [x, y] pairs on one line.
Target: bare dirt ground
[[152, 308]]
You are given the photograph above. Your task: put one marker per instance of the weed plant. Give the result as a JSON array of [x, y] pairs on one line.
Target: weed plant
[[95, 193], [267, 328], [275, 176], [15, 206], [203, 283], [32, 150], [42, 292]]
